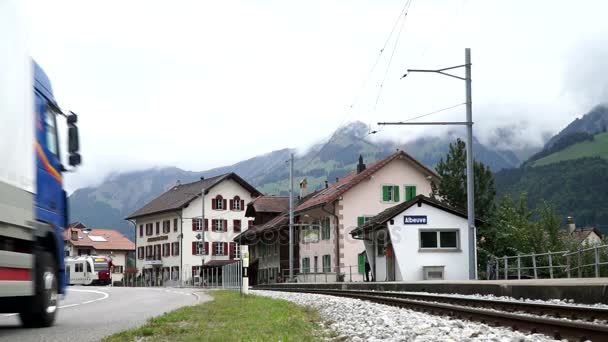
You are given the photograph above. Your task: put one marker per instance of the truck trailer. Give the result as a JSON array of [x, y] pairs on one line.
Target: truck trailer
[[33, 202]]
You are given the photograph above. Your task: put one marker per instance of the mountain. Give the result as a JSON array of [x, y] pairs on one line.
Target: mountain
[[106, 205], [593, 122], [571, 172]]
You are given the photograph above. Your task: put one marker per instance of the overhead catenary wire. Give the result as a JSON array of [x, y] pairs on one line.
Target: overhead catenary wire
[[402, 14], [425, 115]]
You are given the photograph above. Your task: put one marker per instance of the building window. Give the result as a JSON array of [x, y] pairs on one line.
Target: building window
[[305, 265], [315, 268], [174, 225], [236, 204], [149, 252], [140, 253], [311, 234], [439, 239], [175, 248], [410, 192], [66, 253], [218, 203], [326, 263], [236, 225], [166, 227], [166, 249], [219, 248], [390, 193], [218, 225], [325, 228], [84, 252], [197, 224], [381, 239], [361, 220], [237, 251], [117, 269], [149, 229], [141, 230], [158, 228], [200, 250]]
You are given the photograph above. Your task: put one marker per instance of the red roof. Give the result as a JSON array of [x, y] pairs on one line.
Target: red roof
[[95, 237], [349, 181], [270, 204]]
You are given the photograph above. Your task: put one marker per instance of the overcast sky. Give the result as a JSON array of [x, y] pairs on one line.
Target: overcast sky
[[202, 84]]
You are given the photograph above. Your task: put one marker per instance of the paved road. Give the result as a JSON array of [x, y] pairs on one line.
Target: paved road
[[92, 313]]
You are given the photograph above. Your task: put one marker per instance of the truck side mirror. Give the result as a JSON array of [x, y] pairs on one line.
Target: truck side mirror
[[73, 142], [75, 159]]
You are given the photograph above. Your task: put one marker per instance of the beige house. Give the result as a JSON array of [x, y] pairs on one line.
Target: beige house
[[81, 240], [327, 216]]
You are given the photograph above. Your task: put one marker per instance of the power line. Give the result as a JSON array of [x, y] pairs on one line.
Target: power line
[[402, 13], [425, 115]]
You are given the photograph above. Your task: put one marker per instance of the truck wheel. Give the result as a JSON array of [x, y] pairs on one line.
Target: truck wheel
[[42, 307]]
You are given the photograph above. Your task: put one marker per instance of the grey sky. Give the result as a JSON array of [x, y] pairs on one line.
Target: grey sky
[[201, 84]]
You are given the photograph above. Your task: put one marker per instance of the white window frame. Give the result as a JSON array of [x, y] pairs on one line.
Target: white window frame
[[200, 246], [219, 248], [236, 204], [219, 203], [391, 193], [438, 231], [215, 228], [237, 250]]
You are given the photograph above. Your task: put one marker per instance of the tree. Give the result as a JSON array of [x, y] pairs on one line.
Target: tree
[[452, 188]]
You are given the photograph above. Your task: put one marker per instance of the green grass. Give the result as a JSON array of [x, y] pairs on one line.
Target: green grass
[[230, 317], [596, 148]]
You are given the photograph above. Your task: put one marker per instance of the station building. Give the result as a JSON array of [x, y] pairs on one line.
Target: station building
[[168, 249], [420, 239]]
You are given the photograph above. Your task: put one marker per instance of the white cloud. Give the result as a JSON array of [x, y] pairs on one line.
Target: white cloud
[[200, 84]]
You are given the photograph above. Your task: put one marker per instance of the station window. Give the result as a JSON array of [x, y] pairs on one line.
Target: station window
[[390, 193], [439, 239]]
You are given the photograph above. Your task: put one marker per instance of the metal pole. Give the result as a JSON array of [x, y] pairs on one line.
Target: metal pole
[[518, 267], [202, 226], [534, 266], [291, 242], [597, 262], [550, 265], [470, 176], [580, 264], [506, 268]]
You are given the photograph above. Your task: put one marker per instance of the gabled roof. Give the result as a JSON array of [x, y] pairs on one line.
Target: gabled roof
[[333, 191], [267, 204], [379, 220], [583, 233], [277, 222], [180, 195], [114, 240]]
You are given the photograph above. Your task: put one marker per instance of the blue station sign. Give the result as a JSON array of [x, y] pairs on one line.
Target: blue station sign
[[415, 219]]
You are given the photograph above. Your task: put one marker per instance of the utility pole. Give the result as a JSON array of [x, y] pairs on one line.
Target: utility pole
[[291, 217], [469, 145], [202, 229]]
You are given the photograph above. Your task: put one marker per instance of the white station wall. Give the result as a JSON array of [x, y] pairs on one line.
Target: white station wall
[[406, 244]]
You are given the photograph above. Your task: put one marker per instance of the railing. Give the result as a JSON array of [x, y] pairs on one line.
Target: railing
[[550, 265], [321, 275]]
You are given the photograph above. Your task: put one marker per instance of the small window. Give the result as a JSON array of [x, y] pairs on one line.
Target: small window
[[158, 228], [410, 192], [219, 203], [327, 263], [325, 228], [174, 225], [218, 225], [219, 248], [439, 239], [237, 251], [305, 265], [166, 227], [390, 193], [361, 220], [236, 203]]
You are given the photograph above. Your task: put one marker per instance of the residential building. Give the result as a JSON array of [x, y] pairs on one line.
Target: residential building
[[168, 228], [81, 240], [268, 239], [420, 239], [586, 236], [327, 217]]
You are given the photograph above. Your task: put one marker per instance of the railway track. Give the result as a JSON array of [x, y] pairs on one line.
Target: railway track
[[575, 323]]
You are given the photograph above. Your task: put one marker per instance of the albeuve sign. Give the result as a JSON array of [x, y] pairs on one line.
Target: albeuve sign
[[414, 220]]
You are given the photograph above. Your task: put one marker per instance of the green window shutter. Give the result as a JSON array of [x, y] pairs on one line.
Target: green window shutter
[[385, 197], [360, 221], [396, 193], [361, 263], [413, 191], [410, 192]]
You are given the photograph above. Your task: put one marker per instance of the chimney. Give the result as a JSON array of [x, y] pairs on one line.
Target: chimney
[[360, 166], [571, 225], [326, 184], [303, 187], [74, 235]]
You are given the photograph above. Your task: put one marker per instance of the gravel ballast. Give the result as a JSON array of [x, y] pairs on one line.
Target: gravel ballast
[[357, 320]]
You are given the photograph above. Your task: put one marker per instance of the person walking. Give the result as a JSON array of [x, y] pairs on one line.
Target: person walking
[[367, 270]]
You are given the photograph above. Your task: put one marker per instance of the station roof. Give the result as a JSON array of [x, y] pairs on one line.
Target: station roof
[[380, 220]]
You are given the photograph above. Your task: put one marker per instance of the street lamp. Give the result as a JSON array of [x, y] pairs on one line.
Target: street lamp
[[469, 146]]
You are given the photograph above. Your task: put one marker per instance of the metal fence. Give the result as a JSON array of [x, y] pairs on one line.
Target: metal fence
[[581, 263]]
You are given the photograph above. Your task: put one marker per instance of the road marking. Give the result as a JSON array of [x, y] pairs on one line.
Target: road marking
[[105, 296], [68, 306]]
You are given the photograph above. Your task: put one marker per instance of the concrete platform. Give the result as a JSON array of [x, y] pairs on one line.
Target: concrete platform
[[586, 290]]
